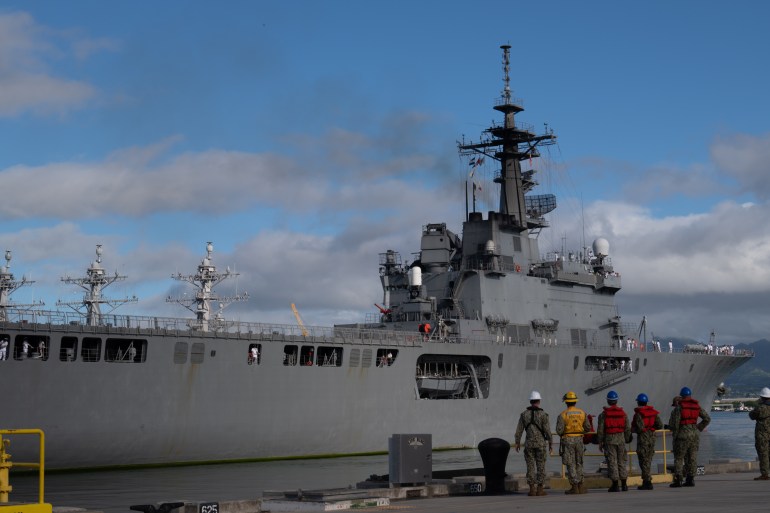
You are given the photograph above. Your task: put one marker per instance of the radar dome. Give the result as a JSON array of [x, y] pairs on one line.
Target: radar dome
[[601, 247]]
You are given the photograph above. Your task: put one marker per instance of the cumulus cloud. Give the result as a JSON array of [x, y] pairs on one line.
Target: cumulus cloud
[[27, 82], [746, 158]]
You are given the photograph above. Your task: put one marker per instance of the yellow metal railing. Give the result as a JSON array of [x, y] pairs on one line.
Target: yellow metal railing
[[6, 464], [665, 452]]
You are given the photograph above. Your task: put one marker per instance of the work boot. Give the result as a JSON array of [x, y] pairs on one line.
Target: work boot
[[582, 487], [762, 478], [690, 481], [574, 490], [623, 485], [614, 487], [540, 492], [646, 485], [676, 483], [532, 491]]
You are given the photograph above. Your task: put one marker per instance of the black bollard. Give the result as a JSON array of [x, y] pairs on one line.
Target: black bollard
[[494, 453]]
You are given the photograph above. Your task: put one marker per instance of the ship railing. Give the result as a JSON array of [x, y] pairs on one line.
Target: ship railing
[[64, 321], [500, 101]]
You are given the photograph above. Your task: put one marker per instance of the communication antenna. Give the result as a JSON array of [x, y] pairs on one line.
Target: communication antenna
[[205, 280], [94, 282], [506, 73]]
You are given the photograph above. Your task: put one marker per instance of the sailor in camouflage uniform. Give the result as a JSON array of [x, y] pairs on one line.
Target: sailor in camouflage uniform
[[613, 432], [762, 433], [645, 422], [571, 425], [685, 431], [535, 422]]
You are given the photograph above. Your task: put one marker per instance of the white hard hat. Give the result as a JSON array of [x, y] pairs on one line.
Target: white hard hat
[[765, 392], [535, 395]]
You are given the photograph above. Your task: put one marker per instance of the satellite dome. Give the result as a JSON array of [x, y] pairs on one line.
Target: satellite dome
[[601, 247]]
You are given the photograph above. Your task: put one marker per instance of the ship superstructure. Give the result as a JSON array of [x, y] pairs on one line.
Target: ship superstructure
[[464, 332]]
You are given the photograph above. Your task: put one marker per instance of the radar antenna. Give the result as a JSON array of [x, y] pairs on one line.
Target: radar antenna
[[205, 280], [8, 284], [94, 282], [510, 144]]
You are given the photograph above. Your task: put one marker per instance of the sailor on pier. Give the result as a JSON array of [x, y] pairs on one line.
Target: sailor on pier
[[761, 414], [685, 431]]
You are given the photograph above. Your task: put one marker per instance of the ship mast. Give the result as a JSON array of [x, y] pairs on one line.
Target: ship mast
[[94, 282], [205, 280], [511, 144], [7, 285]]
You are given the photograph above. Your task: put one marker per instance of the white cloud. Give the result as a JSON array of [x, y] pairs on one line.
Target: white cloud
[[27, 82], [746, 158]]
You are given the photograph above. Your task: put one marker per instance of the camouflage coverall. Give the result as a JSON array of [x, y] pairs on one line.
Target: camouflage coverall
[[645, 443], [614, 446], [535, 422], [762, 434], [571, 449], [686, 439]]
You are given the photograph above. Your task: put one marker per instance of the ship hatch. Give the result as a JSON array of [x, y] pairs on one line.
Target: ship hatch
[[452, 377]]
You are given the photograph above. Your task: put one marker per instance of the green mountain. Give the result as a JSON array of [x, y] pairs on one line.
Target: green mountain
[[751, 377]]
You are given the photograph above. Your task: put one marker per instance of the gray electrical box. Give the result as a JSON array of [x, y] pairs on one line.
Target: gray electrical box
[[410, 459]]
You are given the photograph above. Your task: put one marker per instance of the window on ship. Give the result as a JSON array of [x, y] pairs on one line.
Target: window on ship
[[608, 363], [386, 357], [307, 355], [125, 350], [69, 349], [451, 376], [290, 355], [5, 346], [31, 347], [327, 356], [255, 354], [180, 352], [198, 352], [91, 350]]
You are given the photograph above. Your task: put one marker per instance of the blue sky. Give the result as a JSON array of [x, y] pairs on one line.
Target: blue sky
[[305, 137]]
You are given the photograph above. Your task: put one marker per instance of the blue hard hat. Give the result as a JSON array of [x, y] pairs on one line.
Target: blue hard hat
[[612, 396], [685, 392], [642, 398]]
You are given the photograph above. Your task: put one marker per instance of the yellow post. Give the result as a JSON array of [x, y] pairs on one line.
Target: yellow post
[[36, 507], [5, 465]]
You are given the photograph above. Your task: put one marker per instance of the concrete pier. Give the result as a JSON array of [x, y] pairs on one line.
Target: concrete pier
[[728, 486]]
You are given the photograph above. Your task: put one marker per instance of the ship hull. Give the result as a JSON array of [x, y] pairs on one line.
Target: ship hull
[[224, 406]]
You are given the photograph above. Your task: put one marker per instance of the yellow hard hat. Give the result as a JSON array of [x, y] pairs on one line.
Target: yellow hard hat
[[570, 397]]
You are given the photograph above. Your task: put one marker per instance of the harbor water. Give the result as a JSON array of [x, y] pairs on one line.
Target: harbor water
[[730, 435]]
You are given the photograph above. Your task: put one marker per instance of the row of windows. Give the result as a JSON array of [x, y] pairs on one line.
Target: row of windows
[[89, 349], [93, 349]]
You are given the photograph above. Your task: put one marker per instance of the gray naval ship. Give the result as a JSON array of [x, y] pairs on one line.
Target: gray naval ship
[[463, 334]]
